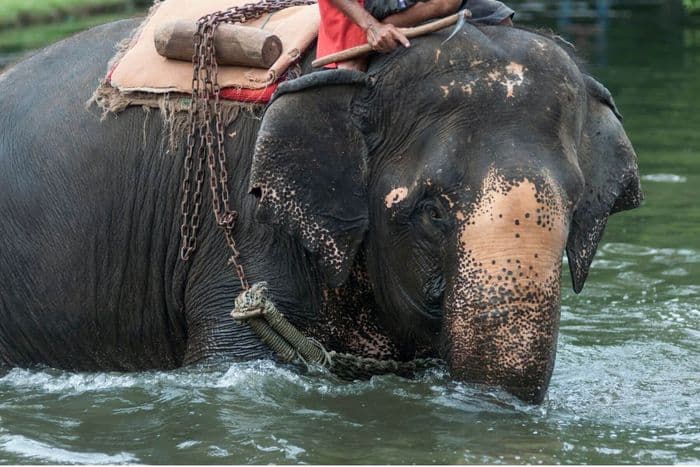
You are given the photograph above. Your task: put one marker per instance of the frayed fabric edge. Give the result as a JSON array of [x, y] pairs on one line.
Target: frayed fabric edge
[[174, 110]]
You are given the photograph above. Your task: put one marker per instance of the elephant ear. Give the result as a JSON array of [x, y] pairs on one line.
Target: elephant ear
[[309, 168], [609, 166]]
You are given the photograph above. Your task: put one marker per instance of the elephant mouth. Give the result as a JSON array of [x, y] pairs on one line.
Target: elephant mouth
[[434, 292], [433, 312], [431, 318]]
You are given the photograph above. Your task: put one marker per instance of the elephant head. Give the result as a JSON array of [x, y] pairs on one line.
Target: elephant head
[[463, 171]]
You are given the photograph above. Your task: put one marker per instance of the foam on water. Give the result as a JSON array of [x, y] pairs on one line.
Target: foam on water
[[37, 451], [665, 178]]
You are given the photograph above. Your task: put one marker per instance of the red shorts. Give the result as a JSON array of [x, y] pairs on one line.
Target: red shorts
[[337, 32]]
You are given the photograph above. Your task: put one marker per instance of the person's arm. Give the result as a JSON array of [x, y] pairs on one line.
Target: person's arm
[[381, 37], [422, 11]]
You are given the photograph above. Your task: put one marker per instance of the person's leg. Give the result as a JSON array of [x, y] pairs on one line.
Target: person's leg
[[423, 11]]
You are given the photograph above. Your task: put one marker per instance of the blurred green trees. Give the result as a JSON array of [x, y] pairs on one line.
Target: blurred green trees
[[30, 24], [15, 13], [693, 6]]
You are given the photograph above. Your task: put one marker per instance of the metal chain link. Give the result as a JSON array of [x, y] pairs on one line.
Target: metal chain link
[[200, 137]]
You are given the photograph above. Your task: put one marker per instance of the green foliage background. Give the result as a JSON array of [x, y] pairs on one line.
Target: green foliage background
[[31, 24]]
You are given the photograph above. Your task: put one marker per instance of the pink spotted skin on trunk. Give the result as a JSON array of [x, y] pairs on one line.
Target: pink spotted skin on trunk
[[502, 307]]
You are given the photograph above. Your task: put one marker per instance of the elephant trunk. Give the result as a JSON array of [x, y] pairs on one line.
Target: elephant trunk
[[502, 305]]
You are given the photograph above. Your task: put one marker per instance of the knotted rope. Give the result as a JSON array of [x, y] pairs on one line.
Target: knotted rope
[[255, 307]]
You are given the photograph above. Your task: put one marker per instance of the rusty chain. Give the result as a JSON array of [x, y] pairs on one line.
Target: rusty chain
[[200, 137]]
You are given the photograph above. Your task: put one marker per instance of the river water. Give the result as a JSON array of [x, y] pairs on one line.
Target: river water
[[626, 388]]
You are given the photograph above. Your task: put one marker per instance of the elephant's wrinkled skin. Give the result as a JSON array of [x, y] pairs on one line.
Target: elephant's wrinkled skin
[[421, 210]]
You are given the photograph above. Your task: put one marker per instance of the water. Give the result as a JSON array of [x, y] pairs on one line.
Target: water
[[626, 388]]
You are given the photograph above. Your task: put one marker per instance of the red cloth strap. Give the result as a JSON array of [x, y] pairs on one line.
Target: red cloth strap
[[249, 95]]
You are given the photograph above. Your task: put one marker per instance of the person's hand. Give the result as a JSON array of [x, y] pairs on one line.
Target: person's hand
[[385, 37]]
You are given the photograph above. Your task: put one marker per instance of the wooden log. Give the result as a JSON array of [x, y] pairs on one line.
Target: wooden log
[[234, 44]]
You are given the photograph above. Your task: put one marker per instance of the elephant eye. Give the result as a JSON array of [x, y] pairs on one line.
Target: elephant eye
[[433, 210], [433, 219]]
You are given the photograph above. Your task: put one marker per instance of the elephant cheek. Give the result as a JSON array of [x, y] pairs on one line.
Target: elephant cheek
[[502, 306]]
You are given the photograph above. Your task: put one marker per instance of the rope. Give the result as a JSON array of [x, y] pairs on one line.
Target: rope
[[255, 307]]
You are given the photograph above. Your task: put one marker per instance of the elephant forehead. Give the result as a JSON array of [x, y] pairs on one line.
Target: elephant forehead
[[504, 79], [490, 66]]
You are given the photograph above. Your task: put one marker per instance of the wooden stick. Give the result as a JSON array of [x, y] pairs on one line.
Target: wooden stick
[[364, 49]]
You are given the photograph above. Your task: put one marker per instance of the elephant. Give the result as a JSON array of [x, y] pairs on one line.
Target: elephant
[[420, 209]]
